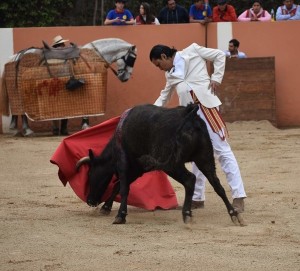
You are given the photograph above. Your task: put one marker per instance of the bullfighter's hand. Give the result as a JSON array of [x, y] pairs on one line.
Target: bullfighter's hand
[[214, 86]]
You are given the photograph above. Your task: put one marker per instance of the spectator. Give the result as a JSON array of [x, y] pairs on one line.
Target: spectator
[[289, 11], [200, 13], [233, 51], [173, 14], [255, 14], [59, 42], [119, 15], [145, 15], [224, 12]]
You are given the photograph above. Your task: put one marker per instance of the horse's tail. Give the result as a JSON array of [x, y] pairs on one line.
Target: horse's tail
[[4, 103]]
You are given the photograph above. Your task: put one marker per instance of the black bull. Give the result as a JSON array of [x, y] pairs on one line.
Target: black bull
[[154, 138]]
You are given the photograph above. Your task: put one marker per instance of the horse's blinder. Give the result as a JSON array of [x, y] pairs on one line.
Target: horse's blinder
[[129, 59]]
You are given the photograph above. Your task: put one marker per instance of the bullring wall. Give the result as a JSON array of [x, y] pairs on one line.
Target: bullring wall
[[270, 39]]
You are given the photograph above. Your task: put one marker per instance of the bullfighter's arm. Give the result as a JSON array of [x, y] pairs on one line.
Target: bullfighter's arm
[[165, 94], [217, 57]]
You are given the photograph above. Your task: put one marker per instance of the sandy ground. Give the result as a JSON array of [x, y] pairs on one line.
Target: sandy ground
[[44, 226]]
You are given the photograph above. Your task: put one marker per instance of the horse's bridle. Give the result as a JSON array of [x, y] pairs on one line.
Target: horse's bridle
[[129, 61]]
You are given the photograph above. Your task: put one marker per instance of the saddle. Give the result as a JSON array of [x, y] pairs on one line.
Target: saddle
[[63, 53]]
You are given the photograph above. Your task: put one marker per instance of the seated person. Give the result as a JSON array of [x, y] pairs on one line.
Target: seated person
[[59, 42], [233, 51], [119, 15], [255, 14], [224, 12], [200, 13], [289, 11], [145, 16]]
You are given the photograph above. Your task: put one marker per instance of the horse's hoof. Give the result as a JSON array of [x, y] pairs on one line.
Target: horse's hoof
[[27, 132], [85, 126], [119, 220]]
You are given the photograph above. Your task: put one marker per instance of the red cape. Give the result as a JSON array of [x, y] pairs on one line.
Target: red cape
[[152, 190]]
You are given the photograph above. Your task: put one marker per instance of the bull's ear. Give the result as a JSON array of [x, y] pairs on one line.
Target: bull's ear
[[191, 111], [192, 108], [91, 154]]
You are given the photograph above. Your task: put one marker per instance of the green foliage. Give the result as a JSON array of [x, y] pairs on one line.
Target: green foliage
[[21, 13]]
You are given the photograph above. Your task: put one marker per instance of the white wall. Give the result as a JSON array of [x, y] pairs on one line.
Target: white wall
[[224, 31], [6, 49]]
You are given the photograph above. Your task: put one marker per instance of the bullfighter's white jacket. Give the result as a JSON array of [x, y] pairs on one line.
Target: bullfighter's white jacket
[[190, 73]]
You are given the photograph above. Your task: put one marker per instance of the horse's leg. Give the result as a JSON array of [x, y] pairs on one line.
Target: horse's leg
[[85, 124], [209, 172], [55, 127], [14, 122], [106, 207], [25, 126], [187, 179], [64, 127]]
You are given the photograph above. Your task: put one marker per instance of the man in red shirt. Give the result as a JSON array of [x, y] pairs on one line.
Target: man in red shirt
[[224, 12]]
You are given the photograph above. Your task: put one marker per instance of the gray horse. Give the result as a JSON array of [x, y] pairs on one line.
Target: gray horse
[[111, 50]]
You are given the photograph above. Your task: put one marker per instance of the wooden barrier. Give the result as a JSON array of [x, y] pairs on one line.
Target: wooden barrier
[[248, 90]]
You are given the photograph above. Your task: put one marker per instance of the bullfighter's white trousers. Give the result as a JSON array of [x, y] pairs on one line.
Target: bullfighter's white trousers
[[228, 163]]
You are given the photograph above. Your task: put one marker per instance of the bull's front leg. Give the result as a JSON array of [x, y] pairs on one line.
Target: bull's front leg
[[187, 179], [211, 175], [122, 213], [106, 207], [124, 188]]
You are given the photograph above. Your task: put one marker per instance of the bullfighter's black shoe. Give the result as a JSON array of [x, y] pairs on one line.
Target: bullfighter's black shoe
[[238, 205]]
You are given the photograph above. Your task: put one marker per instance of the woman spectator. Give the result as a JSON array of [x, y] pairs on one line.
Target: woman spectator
[[255, 14], [145, 16]]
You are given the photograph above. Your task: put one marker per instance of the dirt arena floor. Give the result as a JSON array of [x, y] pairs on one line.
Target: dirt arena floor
[[44, 226]]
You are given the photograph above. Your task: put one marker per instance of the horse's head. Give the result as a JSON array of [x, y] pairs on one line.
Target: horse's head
[[125, 64], [117, 51]]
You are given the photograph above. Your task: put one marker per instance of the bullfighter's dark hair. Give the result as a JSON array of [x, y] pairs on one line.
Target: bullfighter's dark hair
[[160, 49]]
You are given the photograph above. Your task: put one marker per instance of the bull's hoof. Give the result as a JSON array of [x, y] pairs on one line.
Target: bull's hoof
[[92, 203], [105, 210], [187, 217], [188, 220], [119, 220]]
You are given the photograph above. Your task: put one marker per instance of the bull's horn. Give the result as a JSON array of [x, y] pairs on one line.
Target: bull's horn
[[82, 161]]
